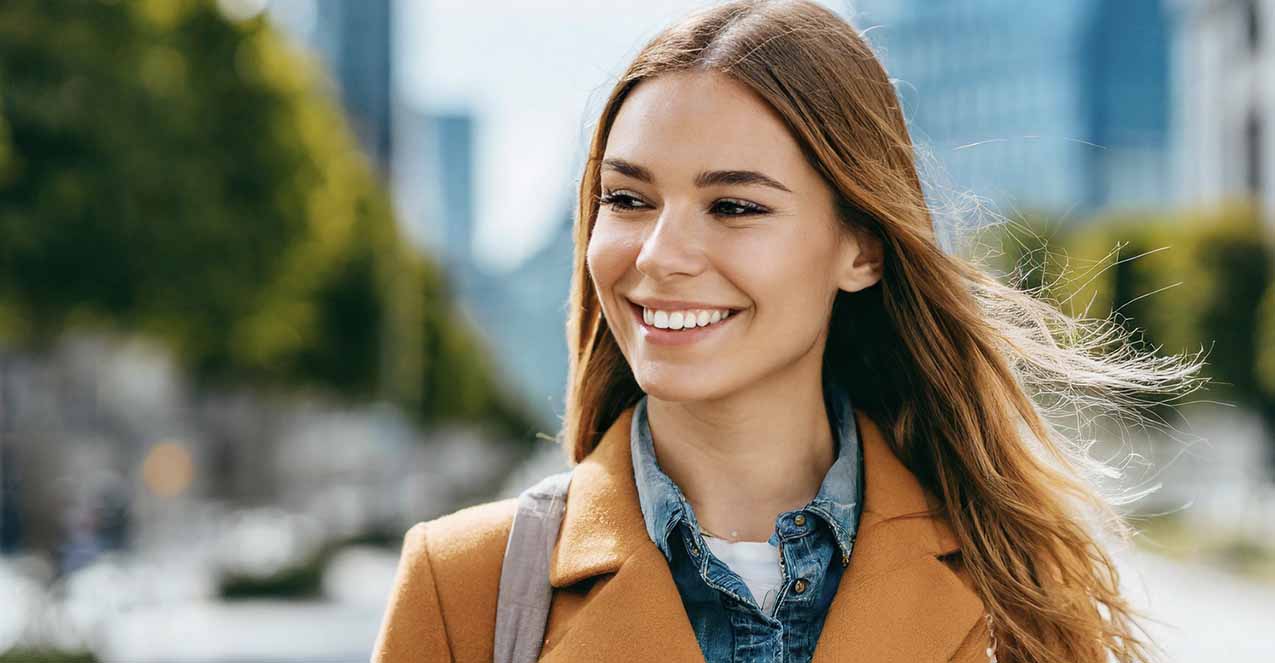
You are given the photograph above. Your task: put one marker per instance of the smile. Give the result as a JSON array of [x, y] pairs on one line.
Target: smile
[[669, 327]]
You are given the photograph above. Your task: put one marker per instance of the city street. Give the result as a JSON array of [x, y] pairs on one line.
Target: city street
[[281, 278], [1208, 617]]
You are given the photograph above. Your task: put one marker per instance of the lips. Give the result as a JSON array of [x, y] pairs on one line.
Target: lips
[[679, 304], [652, 331]]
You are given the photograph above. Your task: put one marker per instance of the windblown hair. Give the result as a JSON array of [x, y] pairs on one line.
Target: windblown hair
[[947, 359]]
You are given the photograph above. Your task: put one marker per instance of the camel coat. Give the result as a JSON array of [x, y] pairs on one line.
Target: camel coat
[[615, 599]]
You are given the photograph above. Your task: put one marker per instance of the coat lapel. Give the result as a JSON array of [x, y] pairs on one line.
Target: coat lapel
[[639, 608], [896, 601]]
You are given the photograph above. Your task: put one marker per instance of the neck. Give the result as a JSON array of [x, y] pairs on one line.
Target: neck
[[769, 447]]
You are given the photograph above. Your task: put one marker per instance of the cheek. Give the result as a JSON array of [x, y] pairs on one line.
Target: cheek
[[610, 253], [789, 279]]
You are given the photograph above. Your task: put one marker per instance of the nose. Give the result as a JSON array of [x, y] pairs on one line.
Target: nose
[[673, 246]]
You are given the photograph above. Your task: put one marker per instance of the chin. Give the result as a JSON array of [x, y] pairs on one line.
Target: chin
[[682, 384]]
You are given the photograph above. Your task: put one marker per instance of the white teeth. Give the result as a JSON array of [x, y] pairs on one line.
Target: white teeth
[[683, 319]]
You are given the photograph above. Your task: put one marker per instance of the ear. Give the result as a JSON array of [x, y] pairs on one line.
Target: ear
[[861, 260]]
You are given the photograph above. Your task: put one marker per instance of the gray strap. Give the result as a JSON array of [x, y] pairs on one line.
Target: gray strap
[[522, 606]]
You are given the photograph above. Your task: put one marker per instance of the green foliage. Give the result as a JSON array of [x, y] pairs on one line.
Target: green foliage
[[1203, 541], [23, 655], [1184, 282], [168, 171], [1266, 343]]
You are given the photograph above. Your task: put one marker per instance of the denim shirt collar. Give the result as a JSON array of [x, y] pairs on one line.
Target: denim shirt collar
[[664, 505]]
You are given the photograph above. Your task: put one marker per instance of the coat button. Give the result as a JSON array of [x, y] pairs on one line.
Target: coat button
[[694, 549], [800, 519], [800, 585]]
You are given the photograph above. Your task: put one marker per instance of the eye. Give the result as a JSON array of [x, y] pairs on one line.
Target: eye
[[621, 201], [618, 201], [733, 207]]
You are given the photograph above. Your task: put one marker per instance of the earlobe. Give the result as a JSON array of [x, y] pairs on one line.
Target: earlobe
[[860, 278], [862, 262]]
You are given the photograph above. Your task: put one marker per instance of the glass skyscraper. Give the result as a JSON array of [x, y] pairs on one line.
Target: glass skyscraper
[[1054, 106]]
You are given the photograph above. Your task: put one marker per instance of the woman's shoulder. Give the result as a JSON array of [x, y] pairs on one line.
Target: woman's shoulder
[[457, 537], [442, 605], [464, 548]]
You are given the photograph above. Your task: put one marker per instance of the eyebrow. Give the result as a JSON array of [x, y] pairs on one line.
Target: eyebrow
[[704, 179]]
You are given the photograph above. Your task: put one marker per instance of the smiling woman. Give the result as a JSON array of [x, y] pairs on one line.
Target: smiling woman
[[768, 343], [694, 217]]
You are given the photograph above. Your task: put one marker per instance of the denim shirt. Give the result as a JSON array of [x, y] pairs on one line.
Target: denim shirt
[[815, 543]]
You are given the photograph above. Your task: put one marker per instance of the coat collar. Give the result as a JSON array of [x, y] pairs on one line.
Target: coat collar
[[896, 601]]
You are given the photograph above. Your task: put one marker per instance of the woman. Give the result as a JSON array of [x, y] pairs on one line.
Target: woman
[[800, 430]]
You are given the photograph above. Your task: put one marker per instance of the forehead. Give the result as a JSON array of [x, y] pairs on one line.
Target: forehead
[[687, 122]]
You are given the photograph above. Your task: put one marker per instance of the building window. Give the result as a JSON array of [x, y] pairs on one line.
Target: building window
[[1253, 154], [1253, 25]]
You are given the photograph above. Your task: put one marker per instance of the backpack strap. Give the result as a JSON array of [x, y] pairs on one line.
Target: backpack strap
[[522, 605]]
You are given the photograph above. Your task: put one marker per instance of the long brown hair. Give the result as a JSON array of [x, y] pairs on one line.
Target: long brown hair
[[950, 361]]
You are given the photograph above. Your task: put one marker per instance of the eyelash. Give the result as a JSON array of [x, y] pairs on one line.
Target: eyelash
[[613, 200]]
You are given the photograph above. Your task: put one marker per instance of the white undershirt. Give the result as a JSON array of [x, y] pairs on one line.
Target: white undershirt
[[756, 562]]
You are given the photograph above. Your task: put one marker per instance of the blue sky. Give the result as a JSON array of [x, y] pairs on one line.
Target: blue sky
[[535, 75]]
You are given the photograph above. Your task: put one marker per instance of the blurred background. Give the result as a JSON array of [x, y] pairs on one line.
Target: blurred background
[[281, 278]]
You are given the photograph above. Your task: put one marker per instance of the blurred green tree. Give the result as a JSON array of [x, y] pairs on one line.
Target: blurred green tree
[[1265, 361], [1184, 282], [169, 171]]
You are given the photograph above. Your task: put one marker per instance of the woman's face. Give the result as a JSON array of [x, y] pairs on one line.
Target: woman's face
[[711, 211]]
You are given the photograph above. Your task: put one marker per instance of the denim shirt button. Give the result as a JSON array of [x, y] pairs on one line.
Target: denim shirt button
[[800, 585], [800, 520]]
